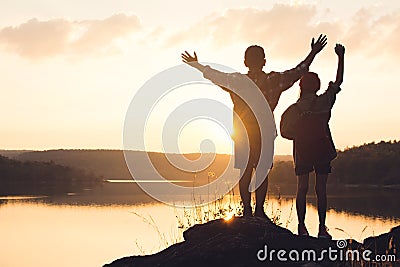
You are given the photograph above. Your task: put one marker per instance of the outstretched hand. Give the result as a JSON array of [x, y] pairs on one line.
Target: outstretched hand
[[187, 58], [319, 44], [339, 50]]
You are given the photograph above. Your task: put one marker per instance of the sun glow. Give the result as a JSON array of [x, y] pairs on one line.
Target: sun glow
[[229, 216], [202, 133]]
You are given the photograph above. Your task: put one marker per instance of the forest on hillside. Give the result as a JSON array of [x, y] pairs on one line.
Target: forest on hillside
[[42, 178], [369, 164], [375, 164], [110, 164]]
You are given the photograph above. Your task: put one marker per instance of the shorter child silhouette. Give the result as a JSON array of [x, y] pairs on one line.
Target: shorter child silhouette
[[313, 147]]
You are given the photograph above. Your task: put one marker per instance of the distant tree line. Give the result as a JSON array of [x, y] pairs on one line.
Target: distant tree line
[[48, 178], [369, 164], [373, 163]]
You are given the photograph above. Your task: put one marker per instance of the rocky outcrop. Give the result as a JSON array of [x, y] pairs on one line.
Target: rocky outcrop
[[254, 242]]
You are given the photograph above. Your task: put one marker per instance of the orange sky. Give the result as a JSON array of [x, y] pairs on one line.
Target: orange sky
[[69, 70]]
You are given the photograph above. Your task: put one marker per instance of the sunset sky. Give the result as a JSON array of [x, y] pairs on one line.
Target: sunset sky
[[69, 69]]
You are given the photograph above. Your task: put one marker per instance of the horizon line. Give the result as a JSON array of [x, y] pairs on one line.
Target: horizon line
[[154, 151], [146, 181]]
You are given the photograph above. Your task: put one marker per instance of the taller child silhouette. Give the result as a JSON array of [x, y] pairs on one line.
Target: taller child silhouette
[[271, 85]]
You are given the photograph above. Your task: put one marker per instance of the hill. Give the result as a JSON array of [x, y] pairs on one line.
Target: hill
[[371, 164], [41, 178], [12, 153], [375, 164], [110, 164]]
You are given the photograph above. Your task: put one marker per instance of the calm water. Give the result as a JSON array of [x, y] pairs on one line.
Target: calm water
[[46, 232]]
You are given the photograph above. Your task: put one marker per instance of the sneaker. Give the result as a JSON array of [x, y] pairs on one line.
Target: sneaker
[[302, 230], [323, 232]]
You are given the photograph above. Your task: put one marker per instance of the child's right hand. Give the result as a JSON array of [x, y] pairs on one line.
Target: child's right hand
[[187, 58]]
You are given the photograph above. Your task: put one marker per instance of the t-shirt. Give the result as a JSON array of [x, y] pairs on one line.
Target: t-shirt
[[271, 85], [241, 84], [322, 107]]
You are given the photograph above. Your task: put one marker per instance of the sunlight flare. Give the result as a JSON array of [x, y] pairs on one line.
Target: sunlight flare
[[229, 216]]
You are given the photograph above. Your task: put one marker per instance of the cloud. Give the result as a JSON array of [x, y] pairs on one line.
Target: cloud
[[379, 36], [100, 33], [286, 30], [36, 39], [282, 27]]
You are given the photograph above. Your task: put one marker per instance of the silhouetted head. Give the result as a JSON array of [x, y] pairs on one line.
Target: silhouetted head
[[309, 83], [254, 57]]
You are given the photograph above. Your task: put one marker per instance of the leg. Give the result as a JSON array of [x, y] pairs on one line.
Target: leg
[[302, 168], [302, 189], [244, 189], [320, 190], [261, 193]]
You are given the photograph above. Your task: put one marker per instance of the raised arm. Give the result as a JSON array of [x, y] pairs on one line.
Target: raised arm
[[227, 81], [284, 80], [316, 47], [339, 50], [334, 87], [192, 61]]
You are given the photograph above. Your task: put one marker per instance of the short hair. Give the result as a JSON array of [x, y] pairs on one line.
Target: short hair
[[310, 82], [254, 55]]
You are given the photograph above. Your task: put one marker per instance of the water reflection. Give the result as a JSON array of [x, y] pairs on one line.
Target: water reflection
[[378, 204], [38, 234], [375, 203], [95, 229], [21, 197]]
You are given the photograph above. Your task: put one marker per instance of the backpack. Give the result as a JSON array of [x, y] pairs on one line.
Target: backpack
[[299, 123]]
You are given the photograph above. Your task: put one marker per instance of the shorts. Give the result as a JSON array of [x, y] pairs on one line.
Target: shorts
[[319, 168], [313, 155]]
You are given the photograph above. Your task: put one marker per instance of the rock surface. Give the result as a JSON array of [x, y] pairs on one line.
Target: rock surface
[[237, 243]]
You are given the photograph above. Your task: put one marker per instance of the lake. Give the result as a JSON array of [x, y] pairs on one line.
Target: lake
[[80, 230]]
